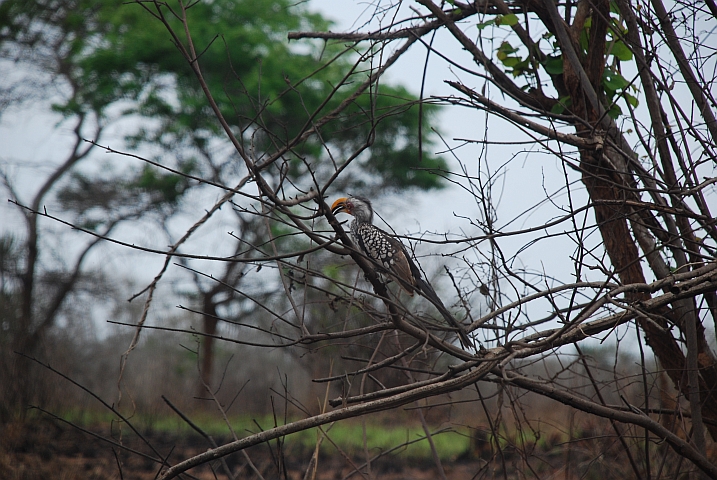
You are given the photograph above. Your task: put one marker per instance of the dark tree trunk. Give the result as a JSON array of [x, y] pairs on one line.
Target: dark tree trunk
[[209, 325]]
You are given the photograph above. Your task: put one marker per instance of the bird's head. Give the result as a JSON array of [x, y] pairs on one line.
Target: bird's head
[[359, 207]]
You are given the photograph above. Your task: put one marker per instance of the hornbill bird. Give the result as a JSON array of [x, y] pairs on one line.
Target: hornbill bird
[[392, 255]]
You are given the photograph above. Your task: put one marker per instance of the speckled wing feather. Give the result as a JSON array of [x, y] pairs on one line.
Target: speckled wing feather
[[392, 255], [387, 252], [402, 265]]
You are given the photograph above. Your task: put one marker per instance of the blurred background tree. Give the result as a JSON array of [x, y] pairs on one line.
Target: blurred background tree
[[109, 71]]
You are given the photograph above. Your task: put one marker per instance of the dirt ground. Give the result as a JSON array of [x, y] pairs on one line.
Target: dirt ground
[[49, 449], [52, 450]]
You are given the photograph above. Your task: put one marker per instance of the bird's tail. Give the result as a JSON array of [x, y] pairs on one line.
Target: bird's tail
[[428, 292]]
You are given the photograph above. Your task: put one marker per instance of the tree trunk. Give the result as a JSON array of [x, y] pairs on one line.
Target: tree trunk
[[610, 185], [209, 323]]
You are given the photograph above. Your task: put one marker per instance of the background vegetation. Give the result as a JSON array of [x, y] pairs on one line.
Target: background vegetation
[[198, 145]]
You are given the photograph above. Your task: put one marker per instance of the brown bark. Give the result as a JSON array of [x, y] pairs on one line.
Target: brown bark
[[608, 185], [209, 324]]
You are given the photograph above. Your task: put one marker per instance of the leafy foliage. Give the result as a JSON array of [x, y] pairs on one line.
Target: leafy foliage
[[614, 85], [122, 60]]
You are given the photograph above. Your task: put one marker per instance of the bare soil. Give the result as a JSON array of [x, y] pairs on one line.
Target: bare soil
[[49, 449]]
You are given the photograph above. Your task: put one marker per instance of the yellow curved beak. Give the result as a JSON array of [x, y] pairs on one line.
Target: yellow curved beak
[[339, 206]]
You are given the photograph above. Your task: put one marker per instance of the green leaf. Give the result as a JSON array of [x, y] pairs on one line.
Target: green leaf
[[553, 65], [620, 51], [521, 68], [631, 100], [511, 61], [562, 104], [584, 40], [615, 111], [490, 22], [507, 48], [613, 81], [508, 20]]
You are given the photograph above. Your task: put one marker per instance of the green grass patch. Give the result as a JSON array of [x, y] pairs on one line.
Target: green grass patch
[[406, 440]]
